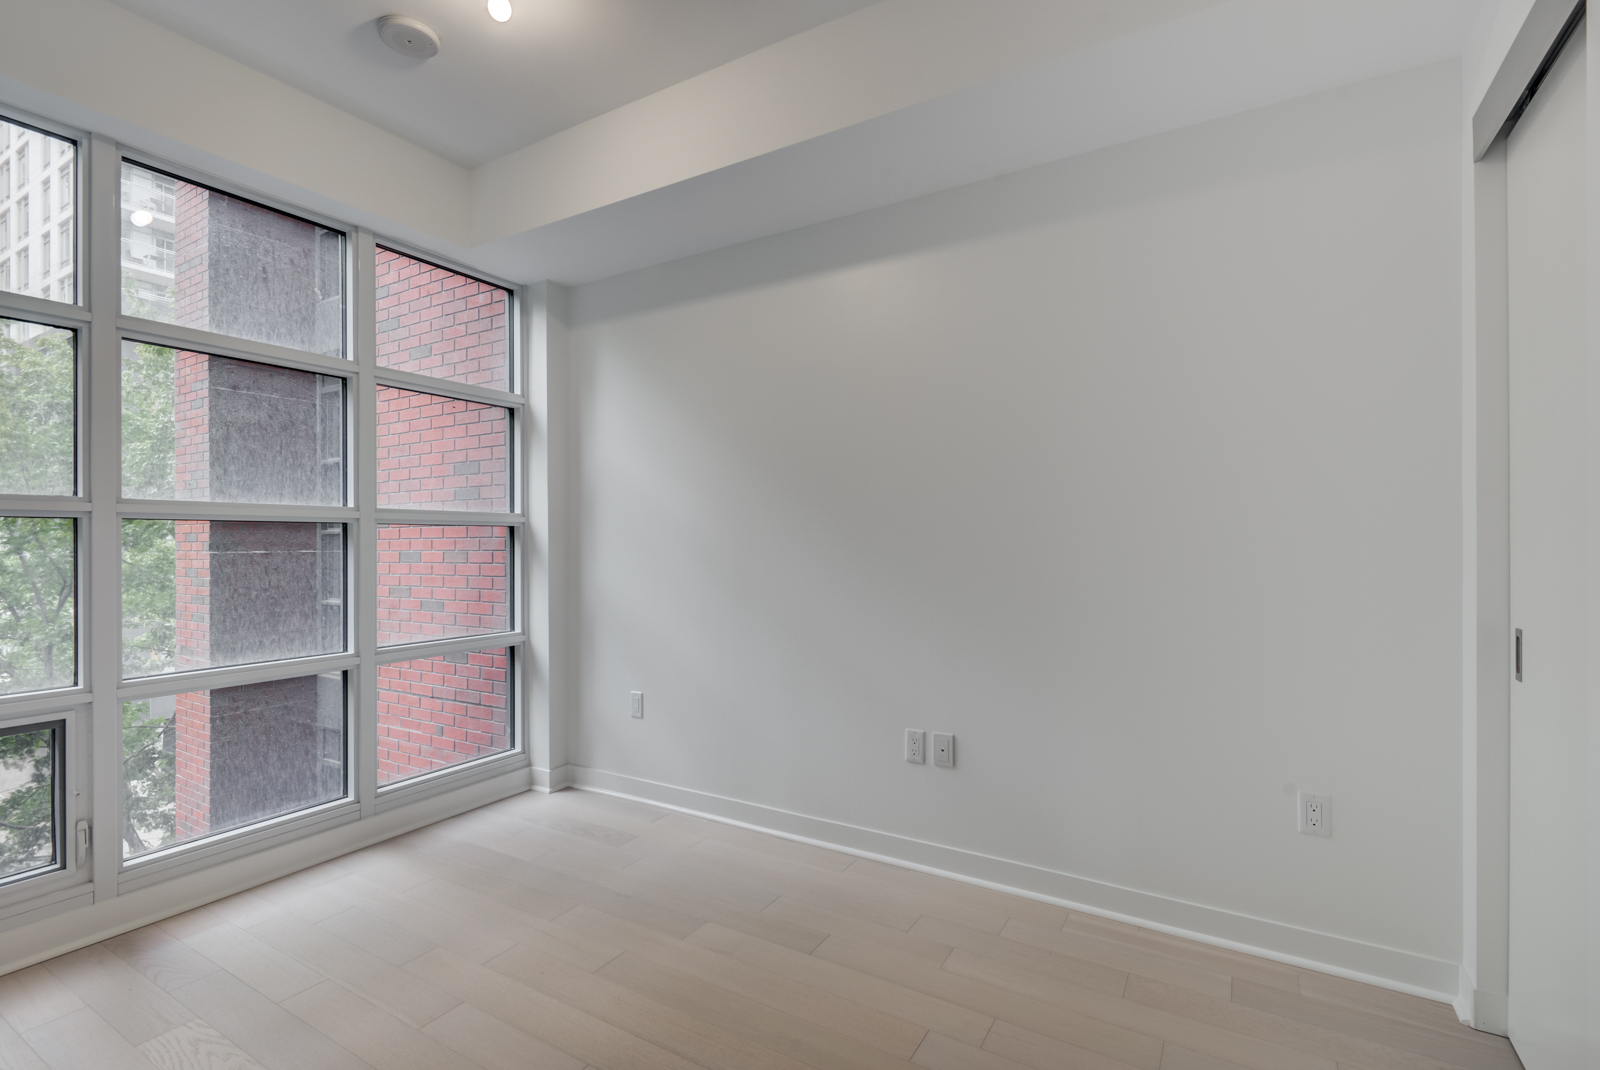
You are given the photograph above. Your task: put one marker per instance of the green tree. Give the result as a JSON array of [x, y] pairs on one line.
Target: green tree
[[149, 431], [149, 597], [38, 603], [38, 395], [149, 777], [28, 808]]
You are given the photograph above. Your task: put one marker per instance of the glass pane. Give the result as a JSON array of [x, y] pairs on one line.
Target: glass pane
[[208, 761], [209, 593], [442, 582], [38, 603], [38, 213], [438, 712], [199, 258], [38, 409], [440, 453], [207, 428], [29, 766], [435, 322]]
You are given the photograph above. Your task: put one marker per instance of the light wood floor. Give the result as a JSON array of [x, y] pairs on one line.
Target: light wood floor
[[576, 930]]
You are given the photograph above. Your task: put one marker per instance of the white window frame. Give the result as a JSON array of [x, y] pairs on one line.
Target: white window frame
[[93, 758]]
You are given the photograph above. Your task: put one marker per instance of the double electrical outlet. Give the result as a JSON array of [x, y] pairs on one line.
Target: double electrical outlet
[[944, 748]]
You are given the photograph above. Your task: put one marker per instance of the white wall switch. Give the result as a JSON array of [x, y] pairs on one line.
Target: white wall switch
[[636, 703], [916, 745], [1315, 814], [944, 749]]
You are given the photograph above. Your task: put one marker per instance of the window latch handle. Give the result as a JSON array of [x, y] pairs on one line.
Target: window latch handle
[[83, 841]]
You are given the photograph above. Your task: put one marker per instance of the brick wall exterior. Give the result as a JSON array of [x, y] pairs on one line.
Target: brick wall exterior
[[436, 322], [437, 712], [441, 453], [435, 581]]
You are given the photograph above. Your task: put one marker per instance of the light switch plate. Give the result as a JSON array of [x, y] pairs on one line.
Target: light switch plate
[[636, 703], [944, 750]]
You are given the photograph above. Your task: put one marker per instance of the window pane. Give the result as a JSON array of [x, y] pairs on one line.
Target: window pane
[[208, 761], [209, 428], [36, 171], [435, 322], [438, 712], [440, 453], [199, 258], [38, 603], [29, 768], [38, 409], [209, 593], [442, 582]]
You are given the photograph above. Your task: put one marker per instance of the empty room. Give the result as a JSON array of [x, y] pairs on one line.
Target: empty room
[[799, 535]]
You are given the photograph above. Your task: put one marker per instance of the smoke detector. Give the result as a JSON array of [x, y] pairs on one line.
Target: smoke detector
[[408, 37]]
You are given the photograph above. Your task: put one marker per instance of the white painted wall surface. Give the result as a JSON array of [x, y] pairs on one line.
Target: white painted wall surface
[[1139, 472]]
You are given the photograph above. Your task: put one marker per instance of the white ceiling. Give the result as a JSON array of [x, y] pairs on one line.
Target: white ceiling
[[493, 87]]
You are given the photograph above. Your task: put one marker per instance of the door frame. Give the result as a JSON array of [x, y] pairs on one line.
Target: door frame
[[1486, 514]]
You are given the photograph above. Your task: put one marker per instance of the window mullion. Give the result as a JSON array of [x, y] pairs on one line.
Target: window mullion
[[364, 539], [100, 597]]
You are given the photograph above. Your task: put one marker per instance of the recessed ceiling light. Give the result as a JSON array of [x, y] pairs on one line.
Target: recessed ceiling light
[[141, 218], [500, 10], [408, 37]]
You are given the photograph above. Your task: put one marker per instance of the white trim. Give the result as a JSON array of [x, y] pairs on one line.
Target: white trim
[[60, 933], [1385, 967]]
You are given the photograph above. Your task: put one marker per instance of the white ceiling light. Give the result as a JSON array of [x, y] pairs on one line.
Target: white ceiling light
[[408, 37], [141, 218], [500, 10]]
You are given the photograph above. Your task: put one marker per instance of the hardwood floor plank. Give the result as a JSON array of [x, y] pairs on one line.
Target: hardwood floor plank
[[582, 952], [735, 1015], [1109, 951], [776, 846], [33, 996], [1452, 1050], [1062, 967], [447, 929], [16, 1053], [1129, 1018], [126, 999], [959, 1023], [661, 1025], [939, 1052], [83, 1039], [195, 1045], [979, 994], [1176, 1058], [853, 928], [371, 1033], [1013, 906], [1217, 959], [672, 895], [773, 989], [819, 888], [494, 1045], [376, 936], [403, 995], [1031, 1049], [567, 1027], [1397, 1005], [269, 1034], [258, 964], [1246, 1021], [160, 956]]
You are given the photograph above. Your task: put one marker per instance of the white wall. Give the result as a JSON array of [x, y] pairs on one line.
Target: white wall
[[1140, 472]]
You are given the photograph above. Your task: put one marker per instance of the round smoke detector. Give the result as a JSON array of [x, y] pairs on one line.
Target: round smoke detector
[[408, 37]]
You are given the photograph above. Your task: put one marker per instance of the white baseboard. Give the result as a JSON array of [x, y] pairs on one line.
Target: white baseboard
[[81, 923], [1387, 967], [548, 780]]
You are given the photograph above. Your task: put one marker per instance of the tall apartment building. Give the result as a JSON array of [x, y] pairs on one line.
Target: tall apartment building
[[38, 214]]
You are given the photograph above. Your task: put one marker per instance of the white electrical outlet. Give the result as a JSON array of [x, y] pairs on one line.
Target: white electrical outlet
[[944, 749], [1315, 814], [636, 703], [916, 745]]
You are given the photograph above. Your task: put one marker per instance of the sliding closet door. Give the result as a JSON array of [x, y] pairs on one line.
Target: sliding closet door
[[1545, 171]]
